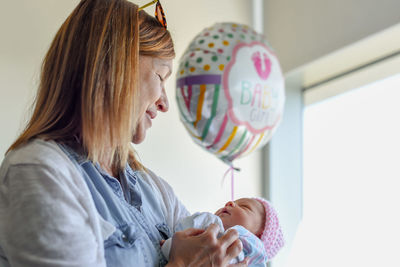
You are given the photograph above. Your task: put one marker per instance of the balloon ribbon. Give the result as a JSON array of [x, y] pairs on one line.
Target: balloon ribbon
[[231, 169]]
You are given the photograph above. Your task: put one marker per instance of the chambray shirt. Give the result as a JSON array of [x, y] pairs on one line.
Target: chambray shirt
[[132, 208], [59, 209]]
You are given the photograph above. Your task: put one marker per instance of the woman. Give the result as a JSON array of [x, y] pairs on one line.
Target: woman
[[71, 190]]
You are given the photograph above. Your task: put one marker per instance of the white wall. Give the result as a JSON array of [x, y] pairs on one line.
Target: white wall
[[27, 28]]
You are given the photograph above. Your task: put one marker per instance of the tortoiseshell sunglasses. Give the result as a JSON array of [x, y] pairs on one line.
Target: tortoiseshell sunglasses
[[159, 13]]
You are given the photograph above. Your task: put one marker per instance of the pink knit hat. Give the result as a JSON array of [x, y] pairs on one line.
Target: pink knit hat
[[272, 236]]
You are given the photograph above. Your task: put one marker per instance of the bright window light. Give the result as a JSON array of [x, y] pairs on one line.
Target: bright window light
[[351, 180]]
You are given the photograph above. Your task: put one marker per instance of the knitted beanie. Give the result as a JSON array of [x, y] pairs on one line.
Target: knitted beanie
[[272, 236]]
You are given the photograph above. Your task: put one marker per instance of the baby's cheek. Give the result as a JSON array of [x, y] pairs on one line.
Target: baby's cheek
[[243, 220]]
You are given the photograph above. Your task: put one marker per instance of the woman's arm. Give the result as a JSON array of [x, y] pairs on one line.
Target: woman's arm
[[45, 220]]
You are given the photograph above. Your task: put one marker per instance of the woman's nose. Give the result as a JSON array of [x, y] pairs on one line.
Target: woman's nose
[[230, 204], [162, 103]]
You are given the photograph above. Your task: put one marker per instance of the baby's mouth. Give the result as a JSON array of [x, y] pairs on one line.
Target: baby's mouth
[[223, 211]]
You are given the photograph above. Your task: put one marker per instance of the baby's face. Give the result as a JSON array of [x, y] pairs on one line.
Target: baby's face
[[246, 212]]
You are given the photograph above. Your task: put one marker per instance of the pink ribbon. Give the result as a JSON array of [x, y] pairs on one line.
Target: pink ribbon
[[231, 169]]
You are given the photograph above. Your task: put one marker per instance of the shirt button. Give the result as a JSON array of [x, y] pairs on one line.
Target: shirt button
[[124, 238]]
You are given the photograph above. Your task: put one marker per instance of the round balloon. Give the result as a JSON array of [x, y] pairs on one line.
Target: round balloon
[[230, 90]]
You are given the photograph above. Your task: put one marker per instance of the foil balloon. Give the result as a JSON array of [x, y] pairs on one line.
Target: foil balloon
[[230, 90]]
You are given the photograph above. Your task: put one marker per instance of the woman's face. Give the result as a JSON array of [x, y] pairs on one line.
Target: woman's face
[[153, 72]]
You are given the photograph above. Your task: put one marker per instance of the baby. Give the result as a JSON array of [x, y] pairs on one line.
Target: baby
[[256, 222]]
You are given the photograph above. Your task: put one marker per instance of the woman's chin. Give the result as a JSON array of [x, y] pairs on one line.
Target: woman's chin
[[139, 138], [141, 129]]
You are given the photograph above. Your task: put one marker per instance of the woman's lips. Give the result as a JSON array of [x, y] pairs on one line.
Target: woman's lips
[[152, 114], [149, 119]]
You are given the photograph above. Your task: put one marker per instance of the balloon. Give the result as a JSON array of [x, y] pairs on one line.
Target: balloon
[[230, 90]]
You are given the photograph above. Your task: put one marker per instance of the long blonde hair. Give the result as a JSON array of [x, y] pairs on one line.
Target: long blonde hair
[[89, 80]]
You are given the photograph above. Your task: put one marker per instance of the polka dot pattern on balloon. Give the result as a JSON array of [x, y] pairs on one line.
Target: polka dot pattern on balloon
[[208, 51]]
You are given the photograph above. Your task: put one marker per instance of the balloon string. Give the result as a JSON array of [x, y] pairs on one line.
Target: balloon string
[[231, 169], [232, 186]]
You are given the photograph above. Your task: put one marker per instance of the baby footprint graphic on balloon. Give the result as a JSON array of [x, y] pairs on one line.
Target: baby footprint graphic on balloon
[[257, 61]]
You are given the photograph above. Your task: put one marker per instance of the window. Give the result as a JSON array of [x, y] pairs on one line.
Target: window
[[351, 179], [331, 166]]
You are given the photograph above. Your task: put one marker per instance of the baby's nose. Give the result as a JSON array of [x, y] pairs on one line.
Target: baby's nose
[[230, 204]]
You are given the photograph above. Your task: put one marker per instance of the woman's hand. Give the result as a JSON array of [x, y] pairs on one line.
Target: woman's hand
[[197, 247]]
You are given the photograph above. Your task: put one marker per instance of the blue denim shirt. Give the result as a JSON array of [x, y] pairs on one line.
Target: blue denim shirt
[[132, 207]]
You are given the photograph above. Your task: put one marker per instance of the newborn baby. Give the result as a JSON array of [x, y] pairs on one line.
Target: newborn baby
[[256, 222]]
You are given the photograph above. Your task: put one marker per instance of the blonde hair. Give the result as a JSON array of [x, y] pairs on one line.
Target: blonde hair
[[89, 80]]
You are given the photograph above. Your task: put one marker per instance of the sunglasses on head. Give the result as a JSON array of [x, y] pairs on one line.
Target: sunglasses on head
[[159, 13]]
